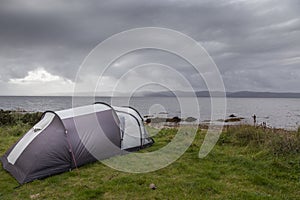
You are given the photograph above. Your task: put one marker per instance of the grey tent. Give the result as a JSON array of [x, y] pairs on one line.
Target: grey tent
[[66, 139]]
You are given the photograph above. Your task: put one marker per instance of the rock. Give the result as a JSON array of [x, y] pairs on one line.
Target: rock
[[34, 196], [162, 120], [190, 119], [234, 119], [152, 186], [148, 116], [232, 115], [174, 119], [148, 121]]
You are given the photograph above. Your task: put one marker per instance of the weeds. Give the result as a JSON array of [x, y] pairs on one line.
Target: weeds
[[11, 118], [277, 141]]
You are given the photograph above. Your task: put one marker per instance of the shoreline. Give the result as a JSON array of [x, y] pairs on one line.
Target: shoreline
[[9, 117], [205, 126]]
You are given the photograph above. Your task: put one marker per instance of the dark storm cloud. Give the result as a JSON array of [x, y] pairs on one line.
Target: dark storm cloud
[[255, 44]]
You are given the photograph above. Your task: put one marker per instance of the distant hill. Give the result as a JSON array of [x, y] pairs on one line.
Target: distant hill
[[240, 94], [247, 94]]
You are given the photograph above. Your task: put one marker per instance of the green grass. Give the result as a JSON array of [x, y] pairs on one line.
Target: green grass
[[243, 165]]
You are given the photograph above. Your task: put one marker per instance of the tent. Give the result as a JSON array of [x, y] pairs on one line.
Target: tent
[[66, 139]]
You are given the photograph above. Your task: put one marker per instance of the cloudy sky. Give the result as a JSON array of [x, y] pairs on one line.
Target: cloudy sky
[[254, 43]]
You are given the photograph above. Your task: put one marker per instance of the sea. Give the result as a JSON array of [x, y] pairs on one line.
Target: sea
[[275, 112]]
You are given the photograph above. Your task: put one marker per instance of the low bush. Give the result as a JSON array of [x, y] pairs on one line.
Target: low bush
[[11, 118], [277, 141], [31, 118], [6, 118]]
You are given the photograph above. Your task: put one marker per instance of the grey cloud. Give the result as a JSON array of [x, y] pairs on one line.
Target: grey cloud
[[250, 41]]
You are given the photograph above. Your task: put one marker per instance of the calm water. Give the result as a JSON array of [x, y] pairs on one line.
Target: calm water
[[279, 112]]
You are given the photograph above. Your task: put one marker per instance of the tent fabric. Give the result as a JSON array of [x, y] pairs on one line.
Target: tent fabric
[[27, 139], [66, 139], [135, 136]]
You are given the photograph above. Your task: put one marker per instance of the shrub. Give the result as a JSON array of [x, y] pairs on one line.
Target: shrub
[[285, 142], [276, 141], [31, 118], [6, 118], [246, 134]]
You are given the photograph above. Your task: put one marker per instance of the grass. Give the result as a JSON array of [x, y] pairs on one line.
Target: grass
[[277, 141], [245, 164]]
